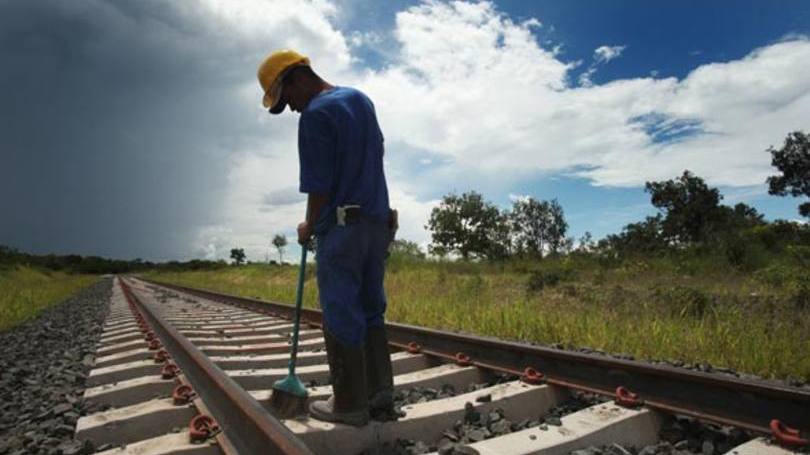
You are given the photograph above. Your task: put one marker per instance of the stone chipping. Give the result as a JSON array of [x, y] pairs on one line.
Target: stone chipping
[[43, 367], [480, 425], [681, 436]]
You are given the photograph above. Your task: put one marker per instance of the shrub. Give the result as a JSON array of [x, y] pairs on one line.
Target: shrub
[[537, 281], [744, 253], [801, 297], [474, 283], [686, 266], [775, 236], [768, 236], [685, 302], [783, 276], [774, 276], [569, 290], [543, 278], [800, 253]]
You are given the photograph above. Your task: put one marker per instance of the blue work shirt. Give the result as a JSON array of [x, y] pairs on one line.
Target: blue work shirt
[[340, 149]]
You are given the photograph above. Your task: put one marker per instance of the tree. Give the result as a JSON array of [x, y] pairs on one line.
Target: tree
[[537, 227], [689, 205], [643, 237], [741, 216], [469, 226], [238, 255], [280, 241], [557, 227], [406, 249], [586, 243], [793, 162]]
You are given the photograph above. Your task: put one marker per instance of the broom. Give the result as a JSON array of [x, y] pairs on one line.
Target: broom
[[289, 398]]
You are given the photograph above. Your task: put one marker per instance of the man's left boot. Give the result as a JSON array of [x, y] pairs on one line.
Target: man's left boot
[[379, 376], [349, 401]]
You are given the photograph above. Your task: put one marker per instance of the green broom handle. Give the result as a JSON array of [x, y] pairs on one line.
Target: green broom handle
[[299, 297]]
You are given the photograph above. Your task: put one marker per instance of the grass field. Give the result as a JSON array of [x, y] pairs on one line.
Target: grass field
[[24, 292], [753, 322]]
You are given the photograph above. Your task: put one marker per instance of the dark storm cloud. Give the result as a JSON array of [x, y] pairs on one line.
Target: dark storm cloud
[[113, 131]]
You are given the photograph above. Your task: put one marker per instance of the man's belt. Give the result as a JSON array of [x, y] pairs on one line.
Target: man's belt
[[350, 214]]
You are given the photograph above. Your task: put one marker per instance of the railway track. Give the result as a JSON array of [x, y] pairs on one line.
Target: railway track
[[187, 371]]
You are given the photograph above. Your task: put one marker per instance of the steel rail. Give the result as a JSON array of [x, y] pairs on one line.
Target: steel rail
[[727, 400], [248, 426]]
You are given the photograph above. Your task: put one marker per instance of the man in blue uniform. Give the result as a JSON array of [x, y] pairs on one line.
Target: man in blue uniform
[[340, 148]]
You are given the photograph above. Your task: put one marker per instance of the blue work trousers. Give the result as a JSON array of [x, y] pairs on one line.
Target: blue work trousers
[[351, 268]]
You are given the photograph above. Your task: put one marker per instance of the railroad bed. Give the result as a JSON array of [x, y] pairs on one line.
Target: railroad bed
[[185, 371]]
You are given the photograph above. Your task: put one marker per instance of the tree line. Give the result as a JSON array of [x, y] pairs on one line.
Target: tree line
[[71, 262], [690, 215], [75, 263]]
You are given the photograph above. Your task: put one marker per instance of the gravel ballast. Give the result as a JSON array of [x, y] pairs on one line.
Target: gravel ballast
[[681, 436], [43, 367], [480, 425]]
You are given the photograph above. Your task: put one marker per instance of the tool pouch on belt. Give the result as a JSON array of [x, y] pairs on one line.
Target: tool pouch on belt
[[393, 225], [393, 222], [347, 214]]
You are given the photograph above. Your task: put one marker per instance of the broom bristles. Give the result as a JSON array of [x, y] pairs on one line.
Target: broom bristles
[[289, 398], [286, 405]]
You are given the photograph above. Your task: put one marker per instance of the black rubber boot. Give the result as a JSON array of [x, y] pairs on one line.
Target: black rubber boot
[[379, 376], [349, 401]]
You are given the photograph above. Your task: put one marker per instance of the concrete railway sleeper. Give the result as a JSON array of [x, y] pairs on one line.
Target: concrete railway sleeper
[[186, 371]]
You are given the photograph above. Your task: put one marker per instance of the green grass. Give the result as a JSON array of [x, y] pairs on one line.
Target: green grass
[[692, 311], [24, 292]]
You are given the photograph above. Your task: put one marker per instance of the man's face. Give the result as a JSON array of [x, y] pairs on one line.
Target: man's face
[[293, 93]]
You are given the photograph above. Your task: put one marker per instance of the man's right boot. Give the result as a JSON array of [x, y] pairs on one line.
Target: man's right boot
[[379, 376], [349, 401]]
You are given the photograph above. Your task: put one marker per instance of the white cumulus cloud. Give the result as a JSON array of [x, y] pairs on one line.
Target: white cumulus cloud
[[604, 54]]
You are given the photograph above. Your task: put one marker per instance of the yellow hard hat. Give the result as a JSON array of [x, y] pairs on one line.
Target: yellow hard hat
[[270, 72]]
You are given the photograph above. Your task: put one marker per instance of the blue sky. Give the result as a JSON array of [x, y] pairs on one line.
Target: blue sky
[[671, 37], [154, 133], [660, 39]]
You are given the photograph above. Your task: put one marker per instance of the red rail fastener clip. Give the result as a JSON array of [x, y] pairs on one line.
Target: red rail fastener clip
[[627, 398], [414, 348], [182, 394], [202, 427], [532, 376], [787, 436], [169, 371], [463, 360], [154, 344], [161, 356], [149, 336]]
